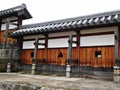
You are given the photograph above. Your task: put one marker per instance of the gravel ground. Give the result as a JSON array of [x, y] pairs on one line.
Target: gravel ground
[[57, 82]]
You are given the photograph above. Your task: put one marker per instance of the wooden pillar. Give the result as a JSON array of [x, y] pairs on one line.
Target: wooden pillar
[[19, 22], [6, 33], [20, 46], [46, 52], [119, 45], [20, 42], [46, 47], [78, 44], [116, 33], [33, 71], [116, 66], [0, 24], [70, 50], [35, 50], [68, 66]]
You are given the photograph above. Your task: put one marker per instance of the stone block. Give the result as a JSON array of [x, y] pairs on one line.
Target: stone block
[[5, 54]]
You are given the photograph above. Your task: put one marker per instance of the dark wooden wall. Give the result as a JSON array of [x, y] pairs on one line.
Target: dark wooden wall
[[85, 56]]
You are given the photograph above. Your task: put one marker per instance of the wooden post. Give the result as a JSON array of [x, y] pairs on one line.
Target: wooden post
[[20, 42], [0, 24], [117, 67], [68, 66], [46, 51], [46, 47], [6, 33], [78, 48], [70, 50], [78, 44], [116, 33], [19, 22], [35, 57]]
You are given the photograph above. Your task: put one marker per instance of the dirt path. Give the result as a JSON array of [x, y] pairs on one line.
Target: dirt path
[[59, 83]]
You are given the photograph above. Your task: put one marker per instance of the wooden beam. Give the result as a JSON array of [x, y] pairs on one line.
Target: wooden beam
[[14, 23], [43, 44]]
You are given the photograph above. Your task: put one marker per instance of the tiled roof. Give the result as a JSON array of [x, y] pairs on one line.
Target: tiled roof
[[78, 22], [19, 11]]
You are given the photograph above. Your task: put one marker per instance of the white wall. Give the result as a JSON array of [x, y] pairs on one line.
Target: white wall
[[52, 43], [99, 40], [30, 44], [33, 37], [62, 34], [58, 43], [98, 30]]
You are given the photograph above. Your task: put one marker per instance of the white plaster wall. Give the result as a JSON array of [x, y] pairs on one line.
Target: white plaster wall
[[59, 43], [99, 30], [99, 40], [30, 44], [62, 34], [33, 37]]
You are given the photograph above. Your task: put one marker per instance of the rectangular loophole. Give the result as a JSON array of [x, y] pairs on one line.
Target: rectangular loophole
[[32, 54], [98, 54]]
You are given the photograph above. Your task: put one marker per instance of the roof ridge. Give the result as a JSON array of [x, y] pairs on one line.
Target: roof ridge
[[16, 11], [22, 6]]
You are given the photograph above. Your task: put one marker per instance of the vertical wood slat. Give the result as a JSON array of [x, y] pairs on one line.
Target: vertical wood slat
[[99, 62], [87, 56], [103, 57]]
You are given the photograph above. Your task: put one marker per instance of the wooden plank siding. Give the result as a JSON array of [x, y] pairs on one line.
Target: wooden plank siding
[[87, 56]]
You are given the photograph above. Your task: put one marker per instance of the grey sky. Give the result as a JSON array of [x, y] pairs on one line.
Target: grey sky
[[48, 10]]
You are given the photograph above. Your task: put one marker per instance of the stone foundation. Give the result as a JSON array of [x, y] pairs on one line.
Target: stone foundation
[[116, 74]]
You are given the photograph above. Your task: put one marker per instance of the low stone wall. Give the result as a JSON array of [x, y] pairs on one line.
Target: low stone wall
[[3, 65], [8, 56]]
